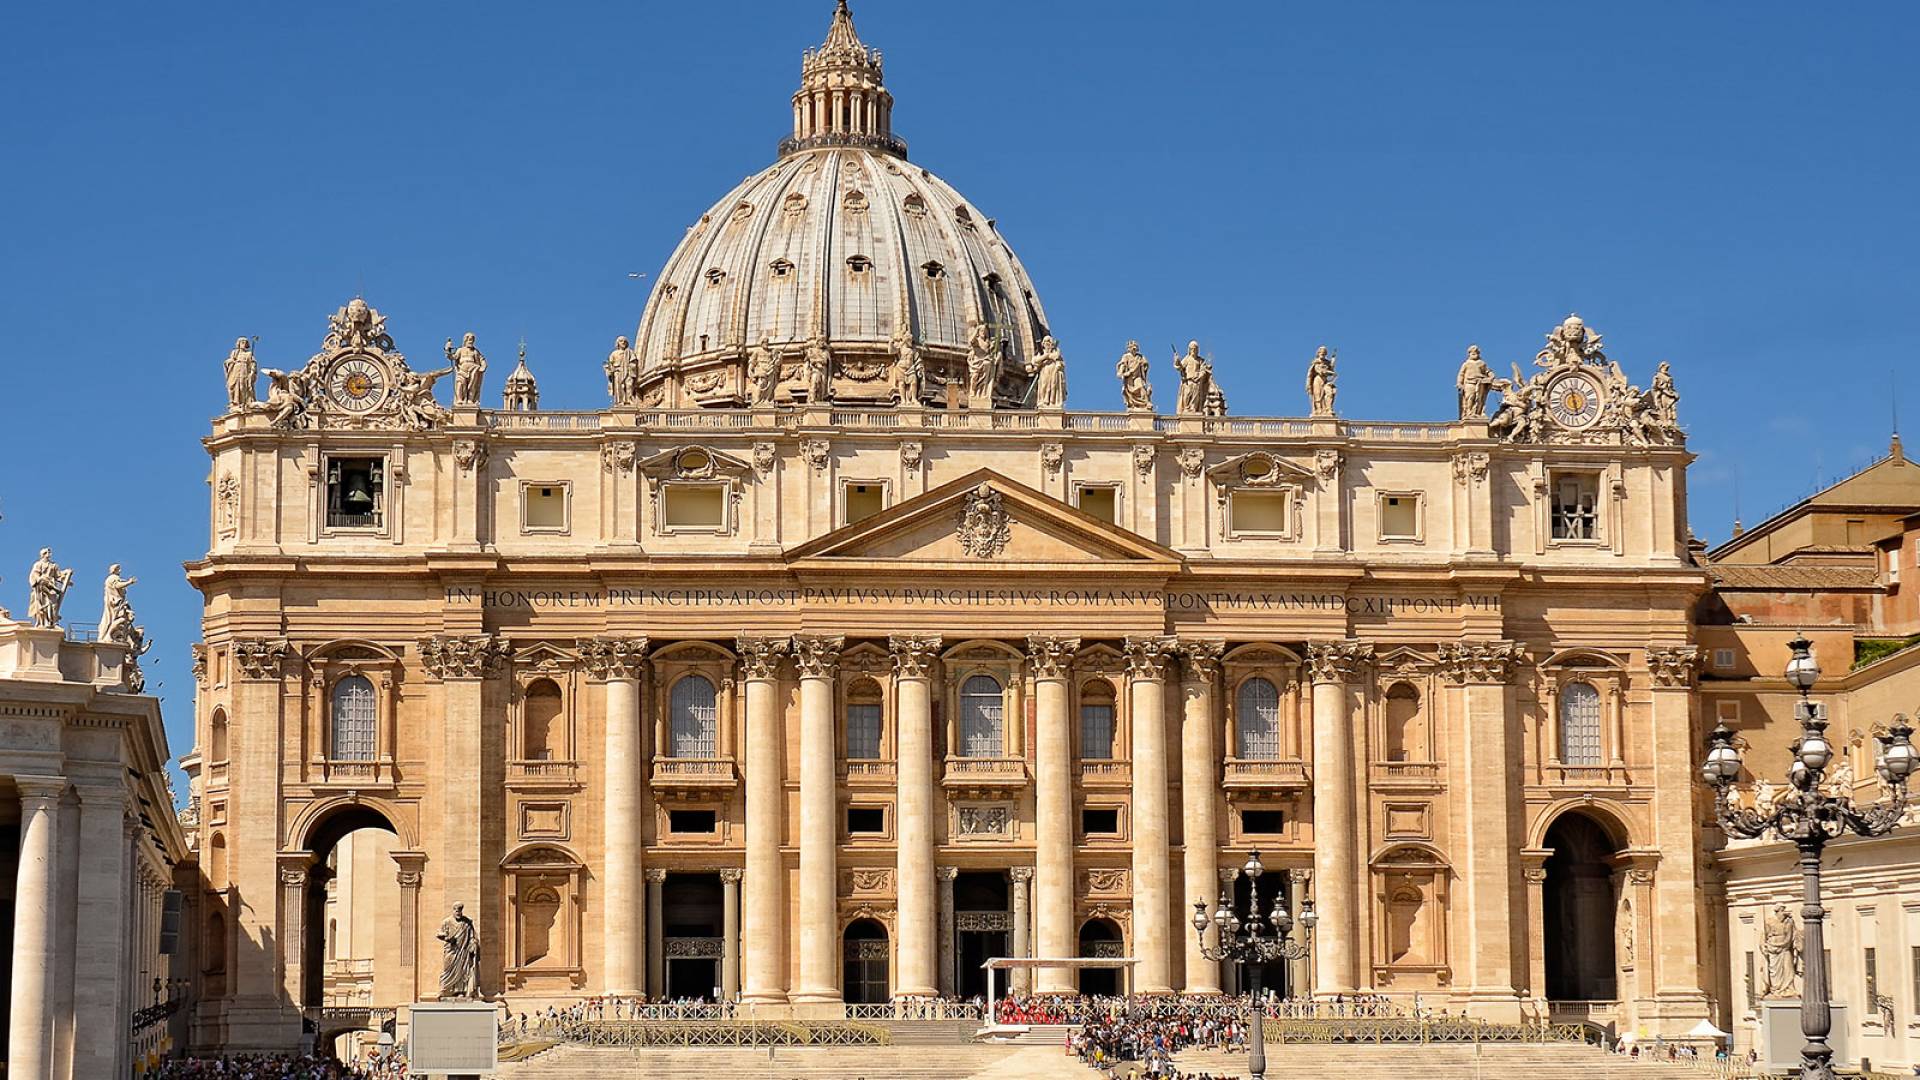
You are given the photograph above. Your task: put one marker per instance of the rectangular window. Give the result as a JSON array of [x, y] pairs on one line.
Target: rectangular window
[[1916, 979], [1257, 513], [543, 508], [1723, 659], [861, 500], [1400, 517], [1576, 506], [1727, 712], [356, 493], [1750, 990], [1872, 973], [693, 506], [1100, 821], [1096, 731], [1262, 822], [863, 732], [866, 819], [1100, 502], [692, 821]]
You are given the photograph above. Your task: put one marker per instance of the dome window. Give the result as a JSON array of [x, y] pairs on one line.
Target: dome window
[[742, 212], [794, 204], [781, 268], [855, 202], [716, 275], [965, 219], [859, 264], [915, 205], [935, 272]]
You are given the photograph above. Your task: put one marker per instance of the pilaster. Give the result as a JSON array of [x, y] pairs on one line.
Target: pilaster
[[462, 664], [1479, 674], [1673, 945]]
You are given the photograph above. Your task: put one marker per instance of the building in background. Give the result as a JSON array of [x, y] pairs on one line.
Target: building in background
[[1841, 566], [94, 865], [836, 656]]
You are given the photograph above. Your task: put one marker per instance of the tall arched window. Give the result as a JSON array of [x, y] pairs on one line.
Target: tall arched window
[[1096, 721], [981, 718], [1257, 718], [694, 718], [352, 719], [1406, 728], [540, 721], [1579, 724], [217, 736], [863, 721]]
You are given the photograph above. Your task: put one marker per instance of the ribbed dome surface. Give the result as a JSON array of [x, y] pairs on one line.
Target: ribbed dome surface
[[847, 243]]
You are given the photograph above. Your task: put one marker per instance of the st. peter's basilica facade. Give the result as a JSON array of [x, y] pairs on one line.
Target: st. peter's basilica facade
[[835, 656]]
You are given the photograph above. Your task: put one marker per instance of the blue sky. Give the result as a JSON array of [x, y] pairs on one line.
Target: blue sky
[[1729, 187]]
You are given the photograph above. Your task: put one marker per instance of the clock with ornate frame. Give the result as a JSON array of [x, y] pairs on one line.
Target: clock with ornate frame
[[1574, 399], [356, 384]]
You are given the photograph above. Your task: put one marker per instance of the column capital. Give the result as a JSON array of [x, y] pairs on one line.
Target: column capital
[[1051, 657], [655, 875], [1201, 658], [1300, 875], [258, 659], [1673, 666], [1337, 661], [913, 655], [1535, 874], [615, 658], [1148, 657], [1227, 876], [295, 867], [40, 792], [947, 873], [817, 656], [731, 875], [462, 656], [760, 656], [1020, 874], [1480, 662]]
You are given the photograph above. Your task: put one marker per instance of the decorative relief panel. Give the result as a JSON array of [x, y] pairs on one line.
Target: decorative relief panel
[[1104, 881], [983, 524], [544, 821], [983, 821]]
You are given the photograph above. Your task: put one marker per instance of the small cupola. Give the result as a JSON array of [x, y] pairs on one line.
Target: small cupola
[[521, 394]]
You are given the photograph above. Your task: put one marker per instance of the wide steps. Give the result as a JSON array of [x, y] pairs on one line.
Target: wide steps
[[1439, 1061], [949, 1062]]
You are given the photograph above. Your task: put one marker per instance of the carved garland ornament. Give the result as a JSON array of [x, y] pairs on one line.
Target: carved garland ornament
[[910, 456], [1673, 665], [1143, 455], [618, 456], [1326, 465], [449, 656], [872, 881], [765, 455], [1051, 657], [614, 657], [1337, 661], [200, 665], [913, 657], [1110, 880], [1471, 465], [1191, 459], [983, 524], [816, 452], [469, 454], [1052, 457], [1480, 661], [258, 658], [760, 656]]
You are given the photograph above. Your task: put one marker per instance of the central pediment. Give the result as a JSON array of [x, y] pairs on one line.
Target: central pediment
[[985, 521]]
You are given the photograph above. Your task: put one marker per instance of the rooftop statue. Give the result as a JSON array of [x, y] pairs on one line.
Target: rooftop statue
[[984, 353], [910, 368], [1475, 381], [1135, 391], [241, 375], [469, 368], [286, 398], [763, 371], [1320, 382], [417, 407], [47, 586], [1196, 381], [819, 367], [116, 614], [1049, 371], [623, 371]]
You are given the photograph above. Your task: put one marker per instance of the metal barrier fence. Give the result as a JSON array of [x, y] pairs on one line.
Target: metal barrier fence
[[721, 1033], [1406, 1029]]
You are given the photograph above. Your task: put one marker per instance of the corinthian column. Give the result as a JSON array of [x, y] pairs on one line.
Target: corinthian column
[[1052, 660], [29, 1025], [620, 662], [1478, 672], [818, 660], [1199, 780], [1147, 659], [914, 807], [1335, 861], [763, 946]]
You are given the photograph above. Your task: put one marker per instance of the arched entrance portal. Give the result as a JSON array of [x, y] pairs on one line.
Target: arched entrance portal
[[865, 949], [695, 940], [1273, 976], [1101, 938], [1578, 911], [352, 893], [981, 926]]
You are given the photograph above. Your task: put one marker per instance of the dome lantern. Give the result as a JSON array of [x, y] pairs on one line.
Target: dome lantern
[[842, 100], [521, 393]]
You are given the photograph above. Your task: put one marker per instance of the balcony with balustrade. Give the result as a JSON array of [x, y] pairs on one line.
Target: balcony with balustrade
[[1103, 774], [867, 773], [353, 774], [529, 774], [1407, 775], [694, 778], [982, 776], [1248, 775]]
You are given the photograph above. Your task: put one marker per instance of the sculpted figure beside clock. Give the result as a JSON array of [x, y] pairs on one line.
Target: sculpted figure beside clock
[[469, 368]]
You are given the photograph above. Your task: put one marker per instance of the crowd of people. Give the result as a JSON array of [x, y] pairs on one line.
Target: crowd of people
[[274, 1067]]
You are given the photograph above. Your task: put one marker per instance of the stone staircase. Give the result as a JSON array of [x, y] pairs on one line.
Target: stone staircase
[[1441, 1061], [928, 1032], [962, 1061]]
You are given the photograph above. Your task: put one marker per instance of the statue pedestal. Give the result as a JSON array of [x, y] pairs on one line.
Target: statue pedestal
[[29, 652], [1781, 1040], [455, 1039]]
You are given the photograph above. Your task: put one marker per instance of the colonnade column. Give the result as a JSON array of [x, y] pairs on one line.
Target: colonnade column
[[99, 998], [1298, 973], [1021, 979], [1480, 672], [763, 951], [913, 874], [1052, 661], [1672, 947], [729, 933], [949, 978], [1147, 659], [29, 1026], [1199, 780], [1330, 665], [621, 661], [818, 660], [462, 663], [656, 932]]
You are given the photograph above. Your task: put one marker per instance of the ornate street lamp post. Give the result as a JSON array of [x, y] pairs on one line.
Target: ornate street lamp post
[[1250, 941], [1807, 816]]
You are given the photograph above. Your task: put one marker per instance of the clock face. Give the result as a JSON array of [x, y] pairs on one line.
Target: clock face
[[356, 384], [1574, 401]]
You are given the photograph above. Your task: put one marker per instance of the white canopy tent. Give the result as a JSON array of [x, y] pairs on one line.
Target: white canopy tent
[[999, 963]]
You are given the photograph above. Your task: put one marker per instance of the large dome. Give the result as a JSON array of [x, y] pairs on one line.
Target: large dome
[[842, 247]]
